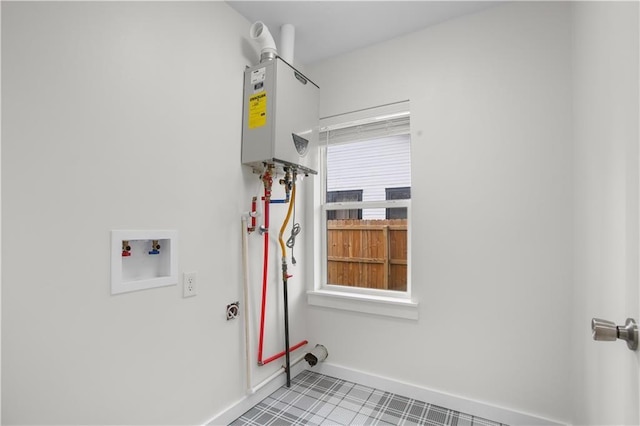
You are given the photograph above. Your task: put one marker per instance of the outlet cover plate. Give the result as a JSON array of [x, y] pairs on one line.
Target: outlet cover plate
[[189, 284]]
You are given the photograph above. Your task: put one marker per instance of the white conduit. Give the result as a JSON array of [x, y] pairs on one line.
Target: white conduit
[[245, 268], [273, 376]]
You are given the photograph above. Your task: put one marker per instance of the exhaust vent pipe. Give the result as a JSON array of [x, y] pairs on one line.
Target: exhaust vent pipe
[[318, 354], [287, 42], [261, 34]]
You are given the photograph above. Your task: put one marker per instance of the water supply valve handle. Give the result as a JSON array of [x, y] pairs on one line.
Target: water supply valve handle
[[126, 249], [608, 331], [155, 247]]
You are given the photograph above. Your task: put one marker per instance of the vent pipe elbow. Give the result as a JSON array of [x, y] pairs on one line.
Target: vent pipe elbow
[[260, 33]]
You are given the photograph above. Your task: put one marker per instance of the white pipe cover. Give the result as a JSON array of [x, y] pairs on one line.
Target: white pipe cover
[[287, 42]]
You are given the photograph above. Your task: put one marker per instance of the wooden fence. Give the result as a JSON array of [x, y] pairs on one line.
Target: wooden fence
[[367, 253]]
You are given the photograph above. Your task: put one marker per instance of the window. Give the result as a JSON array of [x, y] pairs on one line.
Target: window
[[365, 233], [339, 196], [403, 193]]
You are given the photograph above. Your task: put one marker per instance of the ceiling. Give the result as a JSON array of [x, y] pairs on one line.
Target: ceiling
[[324, 29]]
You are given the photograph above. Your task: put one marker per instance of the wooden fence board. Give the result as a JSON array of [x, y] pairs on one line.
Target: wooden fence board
[[367, 253]]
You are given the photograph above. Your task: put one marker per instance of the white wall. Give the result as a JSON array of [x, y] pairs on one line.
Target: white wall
[[605, 116], [492, 207], [124, 115]]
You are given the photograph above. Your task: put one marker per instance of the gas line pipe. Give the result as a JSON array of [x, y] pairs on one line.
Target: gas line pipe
[[285, 279]]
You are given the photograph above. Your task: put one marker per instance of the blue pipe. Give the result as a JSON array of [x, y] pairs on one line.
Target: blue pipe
[[281, 201]]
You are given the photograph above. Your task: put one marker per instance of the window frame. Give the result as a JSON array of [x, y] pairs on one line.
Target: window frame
[[393, 303], [396, 190]]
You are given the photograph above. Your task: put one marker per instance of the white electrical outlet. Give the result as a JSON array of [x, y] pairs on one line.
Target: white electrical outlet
[[189, 284]]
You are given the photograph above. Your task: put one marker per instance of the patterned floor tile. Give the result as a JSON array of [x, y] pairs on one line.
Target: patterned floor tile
[[318, 400]]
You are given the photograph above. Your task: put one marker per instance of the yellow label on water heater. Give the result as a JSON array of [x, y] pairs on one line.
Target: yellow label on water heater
[[258, 110]]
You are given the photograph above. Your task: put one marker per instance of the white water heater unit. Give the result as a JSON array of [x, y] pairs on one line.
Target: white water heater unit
[[280, 117]]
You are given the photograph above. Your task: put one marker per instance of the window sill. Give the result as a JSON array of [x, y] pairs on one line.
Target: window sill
[[376, 305]]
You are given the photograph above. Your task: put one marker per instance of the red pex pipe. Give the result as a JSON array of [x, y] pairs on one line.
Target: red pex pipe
[[253, 212], [281, 354], [265, 265]]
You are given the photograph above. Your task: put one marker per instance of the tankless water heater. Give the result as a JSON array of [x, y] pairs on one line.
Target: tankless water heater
[[280, 117]]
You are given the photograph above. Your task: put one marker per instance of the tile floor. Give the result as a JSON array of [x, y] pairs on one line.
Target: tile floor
[[316, 399]]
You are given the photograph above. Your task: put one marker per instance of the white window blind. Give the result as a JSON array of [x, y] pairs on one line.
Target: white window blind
[[388, 120]]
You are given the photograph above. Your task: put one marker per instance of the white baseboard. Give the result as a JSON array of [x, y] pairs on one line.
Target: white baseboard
[[245, 403], [453, 402]]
